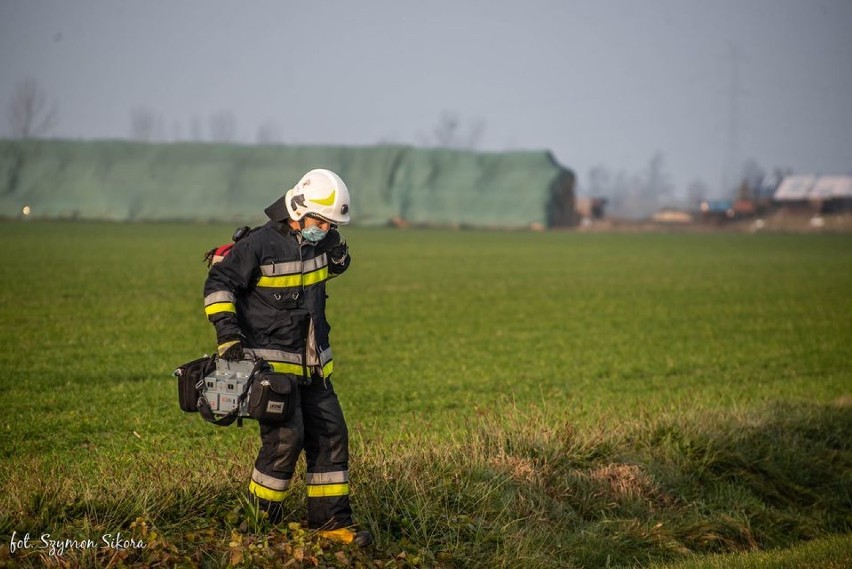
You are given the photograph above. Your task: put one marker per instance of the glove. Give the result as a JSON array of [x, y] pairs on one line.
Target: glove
[[339, 254], [331, 240], [231, 351]]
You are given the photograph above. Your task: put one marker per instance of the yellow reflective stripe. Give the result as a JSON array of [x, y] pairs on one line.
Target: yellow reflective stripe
[[218, 307], [265, 493], [280, 282], [284, 367], [317, 276], [327, 490], [290, 281], [297, 369]]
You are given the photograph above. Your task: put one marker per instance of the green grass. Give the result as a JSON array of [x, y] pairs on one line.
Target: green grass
[[515, 399], [828, 553]]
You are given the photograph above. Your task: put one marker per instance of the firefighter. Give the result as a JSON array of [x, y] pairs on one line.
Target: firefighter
[[266, 299]]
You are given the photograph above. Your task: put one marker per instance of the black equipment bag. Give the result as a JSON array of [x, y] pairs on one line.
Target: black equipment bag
[[190, 379], [273, 397], [191, 398], [234, 415]]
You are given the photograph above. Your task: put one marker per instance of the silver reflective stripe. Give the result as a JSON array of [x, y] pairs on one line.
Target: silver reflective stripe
[[278, 269], [325, 356], [221, 296], [269, 482], [275, 355], [294, 267], [338, 477], [315, 263]]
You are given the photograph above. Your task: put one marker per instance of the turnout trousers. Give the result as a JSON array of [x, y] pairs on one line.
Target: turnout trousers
[[317, 427]]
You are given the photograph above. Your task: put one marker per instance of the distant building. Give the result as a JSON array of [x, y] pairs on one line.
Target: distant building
[[390, 184], [717, 211], [672, 216], [591, 208], [815, 194]]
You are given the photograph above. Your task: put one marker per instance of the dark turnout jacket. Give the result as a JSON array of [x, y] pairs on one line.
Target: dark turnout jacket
[[269, 292]]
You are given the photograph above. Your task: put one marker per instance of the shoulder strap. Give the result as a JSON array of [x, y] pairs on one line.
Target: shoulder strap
[[216, 254]]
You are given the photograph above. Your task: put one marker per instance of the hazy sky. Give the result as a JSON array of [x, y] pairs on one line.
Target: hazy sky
[[594, 81]]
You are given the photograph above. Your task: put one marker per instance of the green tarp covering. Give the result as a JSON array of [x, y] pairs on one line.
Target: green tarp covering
[[120, 180]]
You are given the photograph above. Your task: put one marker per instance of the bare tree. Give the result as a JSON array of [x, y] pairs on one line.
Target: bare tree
[[269, 133], [29, 113], [658, 188], [451, 132], [696, 192], [144, 124], [446, 130], [223, 127], [633, 194], [751, 179], [177, 131], [600, 181], [474, 133], [195, 129]]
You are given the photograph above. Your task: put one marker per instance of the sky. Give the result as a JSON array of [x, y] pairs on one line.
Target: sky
[[706, 84]]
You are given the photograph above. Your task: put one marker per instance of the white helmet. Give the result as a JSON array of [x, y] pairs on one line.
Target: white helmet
[[321, 193]]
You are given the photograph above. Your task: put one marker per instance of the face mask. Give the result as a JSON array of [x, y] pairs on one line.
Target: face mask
[[314, 234]]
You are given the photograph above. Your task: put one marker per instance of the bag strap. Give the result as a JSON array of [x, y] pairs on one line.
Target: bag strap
[[233, 415], [223, 421]]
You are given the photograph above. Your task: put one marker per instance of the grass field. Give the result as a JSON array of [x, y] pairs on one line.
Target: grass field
[[514, 400]]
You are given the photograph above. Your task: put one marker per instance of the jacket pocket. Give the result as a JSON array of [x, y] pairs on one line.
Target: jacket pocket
[[273, 397]]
